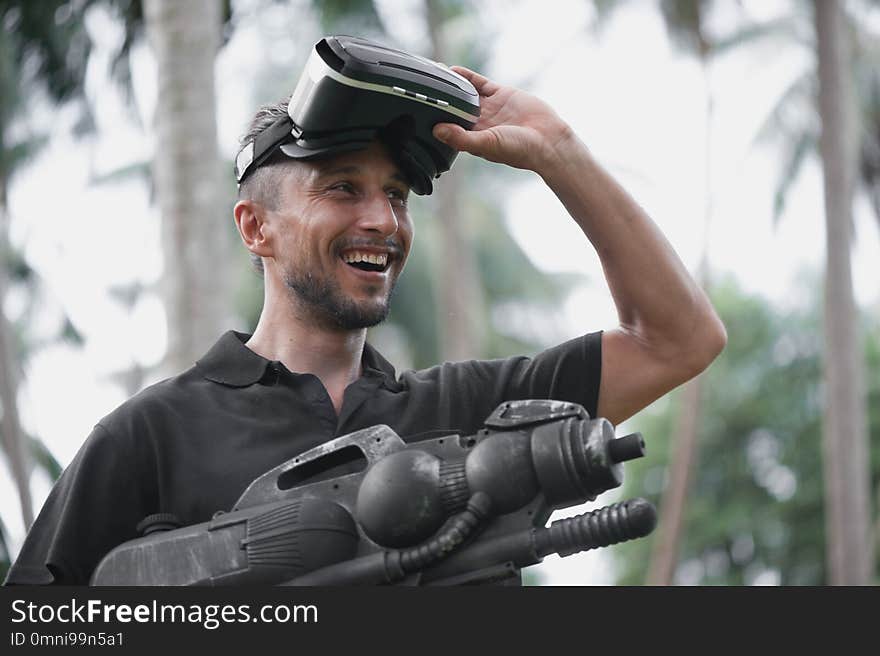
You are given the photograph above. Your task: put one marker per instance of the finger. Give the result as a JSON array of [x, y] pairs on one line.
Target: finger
[[476, 142], [483, 85]]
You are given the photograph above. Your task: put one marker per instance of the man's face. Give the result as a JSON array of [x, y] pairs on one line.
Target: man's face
[[343, 235]]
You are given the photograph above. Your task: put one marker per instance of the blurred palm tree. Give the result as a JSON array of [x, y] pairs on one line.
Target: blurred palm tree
[[459, 294], [184, 174], [186, 167], [686, 23], [848, 488], [793, 124], [44, 50], [44, 53], [755, 508], [833, 111], [845, 434]]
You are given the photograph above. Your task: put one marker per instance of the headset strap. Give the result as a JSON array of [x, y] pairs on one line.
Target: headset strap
[[256, 152]]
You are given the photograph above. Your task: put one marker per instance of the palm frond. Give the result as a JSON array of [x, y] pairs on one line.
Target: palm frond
[[134, 171], [792, 112], [43, 458], [786, 27], [684, 21], [14, 156], [603, 10], [793, 160]]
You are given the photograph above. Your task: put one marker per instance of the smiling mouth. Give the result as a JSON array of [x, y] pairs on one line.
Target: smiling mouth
[[375, 262]]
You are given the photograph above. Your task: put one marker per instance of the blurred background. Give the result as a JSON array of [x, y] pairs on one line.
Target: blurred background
[[748, 129]]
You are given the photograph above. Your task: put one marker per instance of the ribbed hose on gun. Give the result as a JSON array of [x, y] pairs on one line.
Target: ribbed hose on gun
[[615, 523], [462, 527], [385, 567]]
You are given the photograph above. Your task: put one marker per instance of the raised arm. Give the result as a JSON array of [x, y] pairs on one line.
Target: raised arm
[[668, 330]]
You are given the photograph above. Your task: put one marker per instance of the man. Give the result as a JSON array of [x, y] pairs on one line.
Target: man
[[332, 236]]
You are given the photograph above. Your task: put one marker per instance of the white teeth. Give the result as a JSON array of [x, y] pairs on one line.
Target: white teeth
[[356, 256]]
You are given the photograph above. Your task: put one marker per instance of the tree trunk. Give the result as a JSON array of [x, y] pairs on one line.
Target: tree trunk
[[845, 438], [664, 555], [14, 439], [185, 37], [460, 299], [874, 197]]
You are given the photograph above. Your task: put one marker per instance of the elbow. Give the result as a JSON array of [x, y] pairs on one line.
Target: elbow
[[716, 339], [706, 343]]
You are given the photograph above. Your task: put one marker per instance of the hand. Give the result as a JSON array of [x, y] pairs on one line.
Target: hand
[[515, 128]]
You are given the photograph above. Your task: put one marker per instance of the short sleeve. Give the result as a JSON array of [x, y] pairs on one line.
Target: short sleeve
[[570, 372], [94, 506], [459, 396]]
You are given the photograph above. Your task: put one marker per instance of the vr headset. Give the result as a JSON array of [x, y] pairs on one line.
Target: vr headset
[[353, 91]]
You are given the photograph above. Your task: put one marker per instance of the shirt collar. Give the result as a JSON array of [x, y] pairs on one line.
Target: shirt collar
[[232, 363], [374, 364]]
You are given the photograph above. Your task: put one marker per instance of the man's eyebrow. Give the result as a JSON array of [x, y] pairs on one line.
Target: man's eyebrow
[[345, 169], [352, 169], [400, 177]]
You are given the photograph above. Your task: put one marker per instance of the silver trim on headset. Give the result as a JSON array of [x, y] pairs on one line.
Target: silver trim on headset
[[244, 159], [318, 68]]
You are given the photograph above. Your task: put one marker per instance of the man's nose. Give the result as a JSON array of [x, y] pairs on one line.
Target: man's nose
[[377, 215]]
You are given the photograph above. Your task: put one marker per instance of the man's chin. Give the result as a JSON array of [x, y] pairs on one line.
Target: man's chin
[[334, 308], [358, 317], [352, 314]]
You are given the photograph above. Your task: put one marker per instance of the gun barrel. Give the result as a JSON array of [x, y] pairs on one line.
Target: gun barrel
[[618, 522], [628, 447]]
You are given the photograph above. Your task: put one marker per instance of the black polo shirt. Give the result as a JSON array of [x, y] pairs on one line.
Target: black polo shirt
[[190, 445]]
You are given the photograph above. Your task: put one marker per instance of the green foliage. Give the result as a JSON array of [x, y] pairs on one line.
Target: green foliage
[[414, 306], [504, 272], [341, 16], [131, 14], [872, 388], [52, 46], [44, 52], [43, 45], [756, 498]]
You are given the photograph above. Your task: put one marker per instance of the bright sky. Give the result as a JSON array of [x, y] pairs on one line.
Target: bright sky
[[634, 101]]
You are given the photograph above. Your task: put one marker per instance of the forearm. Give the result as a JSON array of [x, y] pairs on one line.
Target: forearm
[[668, 330], [657, 300]]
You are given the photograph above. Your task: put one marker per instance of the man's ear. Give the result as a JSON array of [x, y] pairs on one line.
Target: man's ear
[[250, 219]]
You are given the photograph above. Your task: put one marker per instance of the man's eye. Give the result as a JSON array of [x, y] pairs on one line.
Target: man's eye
[[344, 187], [397, 196]]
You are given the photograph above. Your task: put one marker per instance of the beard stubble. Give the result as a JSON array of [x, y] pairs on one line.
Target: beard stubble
[[329, 305]]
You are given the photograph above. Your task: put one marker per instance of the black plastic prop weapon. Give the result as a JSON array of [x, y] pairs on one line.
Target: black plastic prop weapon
[[368, 509]]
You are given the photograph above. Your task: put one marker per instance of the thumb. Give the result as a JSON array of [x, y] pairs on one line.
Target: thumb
[[455, 136], [448, 133]]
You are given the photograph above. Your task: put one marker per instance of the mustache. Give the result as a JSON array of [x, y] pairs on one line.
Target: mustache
[[393, 246]]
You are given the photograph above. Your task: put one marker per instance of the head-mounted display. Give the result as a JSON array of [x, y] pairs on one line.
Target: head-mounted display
[[353, 91]]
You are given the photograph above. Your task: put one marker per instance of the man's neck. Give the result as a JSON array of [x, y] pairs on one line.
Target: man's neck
[[333, 355]]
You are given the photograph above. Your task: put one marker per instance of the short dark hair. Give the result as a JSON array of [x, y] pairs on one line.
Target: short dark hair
[[263, 184]]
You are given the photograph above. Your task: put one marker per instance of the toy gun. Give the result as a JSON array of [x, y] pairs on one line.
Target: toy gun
[[369, 509]]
